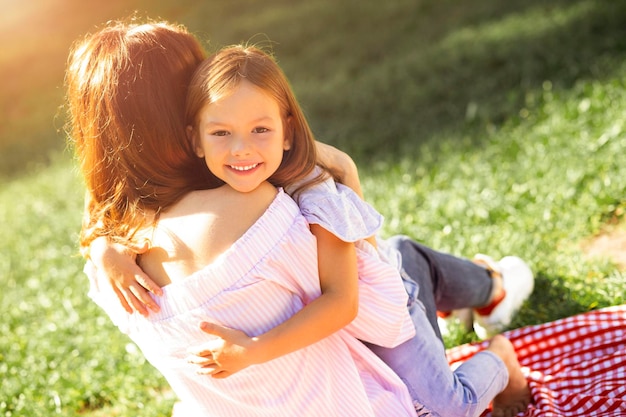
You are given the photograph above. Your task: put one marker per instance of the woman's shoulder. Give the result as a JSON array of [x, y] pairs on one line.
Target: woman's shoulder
[[205, 224], [225, 201], [227, 211]]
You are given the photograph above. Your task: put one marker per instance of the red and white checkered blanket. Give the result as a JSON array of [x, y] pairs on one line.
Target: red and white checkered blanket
[[575, 366]]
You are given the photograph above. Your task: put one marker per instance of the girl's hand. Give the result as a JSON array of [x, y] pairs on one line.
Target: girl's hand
[[341, 164], [230, 352], [116, 264]]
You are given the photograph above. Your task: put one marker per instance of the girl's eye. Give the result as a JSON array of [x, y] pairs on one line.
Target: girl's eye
[[260, 130], [220, 133]]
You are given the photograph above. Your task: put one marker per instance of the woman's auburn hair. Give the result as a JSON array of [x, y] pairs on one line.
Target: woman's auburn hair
[[222, 72], [126, 88]]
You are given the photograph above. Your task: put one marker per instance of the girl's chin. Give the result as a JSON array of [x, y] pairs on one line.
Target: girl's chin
[[244, 188]]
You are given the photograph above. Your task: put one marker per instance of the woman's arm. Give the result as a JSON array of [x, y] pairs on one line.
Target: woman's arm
[[335, 308]]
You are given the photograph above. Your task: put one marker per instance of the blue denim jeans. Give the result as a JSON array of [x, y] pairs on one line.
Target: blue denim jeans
[[440, 281]]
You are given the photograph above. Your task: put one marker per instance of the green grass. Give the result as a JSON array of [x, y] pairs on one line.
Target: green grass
[[495, 127], [59, 354]]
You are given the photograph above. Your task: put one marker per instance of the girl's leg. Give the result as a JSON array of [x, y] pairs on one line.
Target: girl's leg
[[434, 281], [447, 283], [444, 282], [421, 363]]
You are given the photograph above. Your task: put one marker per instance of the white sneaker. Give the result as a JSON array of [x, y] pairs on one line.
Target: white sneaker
[[518, 282]]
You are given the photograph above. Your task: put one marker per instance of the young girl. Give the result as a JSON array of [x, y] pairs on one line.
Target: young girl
[[239, 105], [239, 100], [246, 260]]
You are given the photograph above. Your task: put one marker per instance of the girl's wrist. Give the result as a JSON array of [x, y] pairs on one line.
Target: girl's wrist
[[259, 351]]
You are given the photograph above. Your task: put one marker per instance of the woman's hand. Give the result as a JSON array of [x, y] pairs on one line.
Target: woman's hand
[[230, 352], [116, 264]]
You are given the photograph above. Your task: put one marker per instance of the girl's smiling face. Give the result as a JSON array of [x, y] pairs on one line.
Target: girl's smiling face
[[241, 137]]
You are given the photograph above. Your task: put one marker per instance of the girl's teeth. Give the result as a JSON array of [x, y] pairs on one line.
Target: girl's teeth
[[244, 168]]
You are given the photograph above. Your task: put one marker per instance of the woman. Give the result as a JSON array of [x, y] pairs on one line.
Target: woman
[[141, 181], [137, 221]]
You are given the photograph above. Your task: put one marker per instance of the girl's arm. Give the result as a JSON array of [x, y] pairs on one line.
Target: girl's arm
[[131, 285], [342, 164], [115, 263], [335, 308]]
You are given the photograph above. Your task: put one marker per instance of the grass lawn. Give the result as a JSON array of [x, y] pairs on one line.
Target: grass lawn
[[487, 126]]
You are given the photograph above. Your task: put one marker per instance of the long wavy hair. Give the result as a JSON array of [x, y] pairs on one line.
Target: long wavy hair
[[221, 73], [126, 88]]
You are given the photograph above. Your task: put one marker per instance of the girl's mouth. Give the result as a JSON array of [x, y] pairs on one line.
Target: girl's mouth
[[243, 168]]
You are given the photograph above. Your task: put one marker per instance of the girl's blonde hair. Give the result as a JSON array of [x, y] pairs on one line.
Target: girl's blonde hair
[[220, 74], [126, 87]]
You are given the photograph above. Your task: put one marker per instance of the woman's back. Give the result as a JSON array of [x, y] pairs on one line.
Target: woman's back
[[199, 228], [265, 277]]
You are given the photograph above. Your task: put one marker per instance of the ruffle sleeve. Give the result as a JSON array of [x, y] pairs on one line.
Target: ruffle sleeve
[[339, 210]]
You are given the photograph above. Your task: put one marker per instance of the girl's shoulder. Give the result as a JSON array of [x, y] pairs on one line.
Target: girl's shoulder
[[340, 210]]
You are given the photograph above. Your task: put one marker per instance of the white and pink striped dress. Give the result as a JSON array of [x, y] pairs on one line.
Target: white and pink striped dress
[[263, 279]]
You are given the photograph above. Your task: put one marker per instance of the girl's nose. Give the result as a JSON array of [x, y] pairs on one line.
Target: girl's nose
[[240, 145]]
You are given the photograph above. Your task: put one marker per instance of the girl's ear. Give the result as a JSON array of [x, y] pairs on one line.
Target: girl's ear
[[288, 133], [195, 142]]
